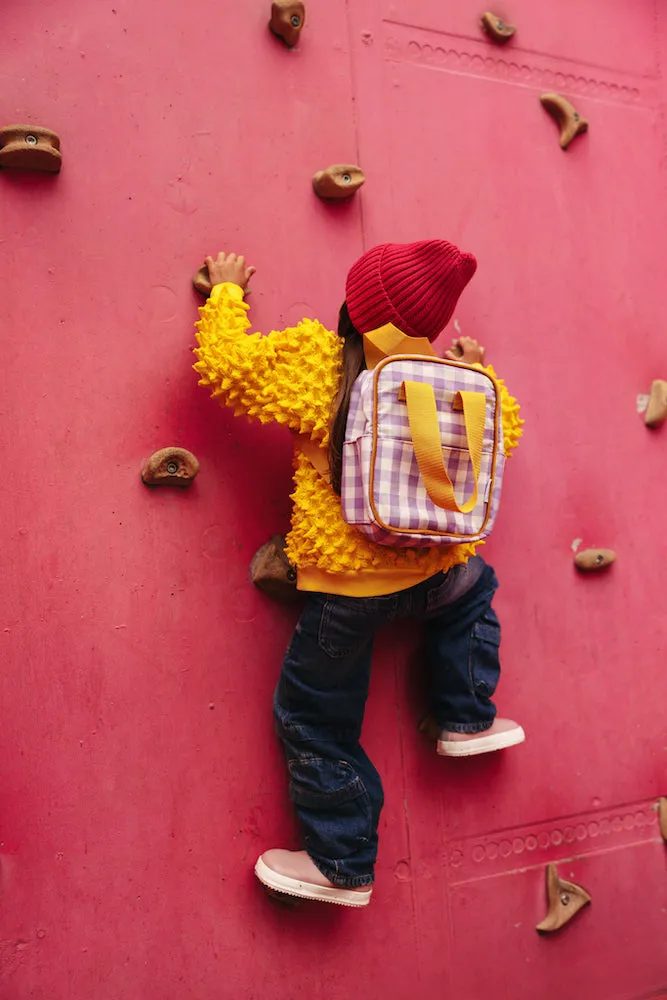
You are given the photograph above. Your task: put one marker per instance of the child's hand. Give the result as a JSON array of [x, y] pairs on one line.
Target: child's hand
[[229, 267], [466, 349]]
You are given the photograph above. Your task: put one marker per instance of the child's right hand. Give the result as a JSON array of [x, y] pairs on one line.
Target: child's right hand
[[466, 349], [229, 268]]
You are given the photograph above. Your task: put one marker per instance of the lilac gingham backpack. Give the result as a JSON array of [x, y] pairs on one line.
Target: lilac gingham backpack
[[423, 455]]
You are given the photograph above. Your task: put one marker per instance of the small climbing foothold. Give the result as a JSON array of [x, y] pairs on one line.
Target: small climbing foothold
[[565, 899], [662, 817], [570, 121], [29, 147], [287, 20], [339, 181], [497, 29], [593, 560], [656, 411], [170, 467], [272, 572], [430, 728]]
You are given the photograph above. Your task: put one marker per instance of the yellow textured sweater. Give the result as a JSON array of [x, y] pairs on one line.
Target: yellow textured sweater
[[291, 377]]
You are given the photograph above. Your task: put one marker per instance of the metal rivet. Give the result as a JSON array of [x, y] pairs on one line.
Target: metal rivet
[[346, 179], [31, 140], [172, 468], [565, 899], [291, 575], [295, 21], [599, 559], [500, 25]]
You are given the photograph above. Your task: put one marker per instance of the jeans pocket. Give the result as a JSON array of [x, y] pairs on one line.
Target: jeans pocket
[[342, 631], [333, 805], [484, 659]]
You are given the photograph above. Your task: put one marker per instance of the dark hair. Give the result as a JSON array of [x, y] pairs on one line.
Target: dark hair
[[353, 363]]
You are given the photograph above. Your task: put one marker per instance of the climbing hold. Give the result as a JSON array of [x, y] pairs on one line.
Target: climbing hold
[[656, 411], [202, 283], [170, 467], [565, 899], [662, 816], [28, 147], [592, 560], [430, 728], [287, 19], [570, 121], [272, 573], [339, 181], [496, 28]]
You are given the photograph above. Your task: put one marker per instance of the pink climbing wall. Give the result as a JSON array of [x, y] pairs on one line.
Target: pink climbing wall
[[139, 775]]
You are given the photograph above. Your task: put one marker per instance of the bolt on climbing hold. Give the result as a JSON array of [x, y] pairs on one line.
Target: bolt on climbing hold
[[570, 121], [592, 560], [497, 29], [272, 572], [287, 20], [170, 467], [339, 181], [662, 817], [565, 899], [29, 147], [656, 411]]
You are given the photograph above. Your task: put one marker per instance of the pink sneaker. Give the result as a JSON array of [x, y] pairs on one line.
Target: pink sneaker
[[295, 874], [502, 734]]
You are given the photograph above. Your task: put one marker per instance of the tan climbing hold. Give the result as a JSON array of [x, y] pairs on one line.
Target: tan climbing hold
[[662, 817], [570, 121], [340, 181], [593, 560], [287, 20], [202, 282], [29, 147], [170, 467], [565, 899], [272, 573], [497, 29], [656, 411]]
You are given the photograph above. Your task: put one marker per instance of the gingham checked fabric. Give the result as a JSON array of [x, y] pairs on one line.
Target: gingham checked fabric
[[398, 492]]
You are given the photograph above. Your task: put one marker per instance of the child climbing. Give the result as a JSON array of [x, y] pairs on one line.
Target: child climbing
[[303, 377]]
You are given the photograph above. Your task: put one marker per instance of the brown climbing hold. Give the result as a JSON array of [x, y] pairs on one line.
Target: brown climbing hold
[[593, 560], [430, 728], [272, 573], [29, 147], [287, 19], [662, 817], [565, 899], [570, 121], [202, 282], [496, 28], [170, 467], [340, 181], [656, 411]]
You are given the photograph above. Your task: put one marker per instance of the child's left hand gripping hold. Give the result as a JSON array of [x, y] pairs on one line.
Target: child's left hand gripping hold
[[228, 268]]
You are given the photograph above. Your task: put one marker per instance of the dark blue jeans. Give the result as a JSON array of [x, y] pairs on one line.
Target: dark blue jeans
[[322, 691]]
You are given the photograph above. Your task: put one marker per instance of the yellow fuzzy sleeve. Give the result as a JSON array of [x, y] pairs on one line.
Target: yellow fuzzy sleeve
[[289, 376], [512, 422]]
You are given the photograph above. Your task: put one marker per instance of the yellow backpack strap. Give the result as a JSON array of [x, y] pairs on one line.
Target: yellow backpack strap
[[425, 431]]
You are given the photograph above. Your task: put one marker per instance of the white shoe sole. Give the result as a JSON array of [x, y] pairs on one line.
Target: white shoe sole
[[485, 744], [307, 890]]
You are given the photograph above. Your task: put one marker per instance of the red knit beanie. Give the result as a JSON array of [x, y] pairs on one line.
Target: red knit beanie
[[415, 286]]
